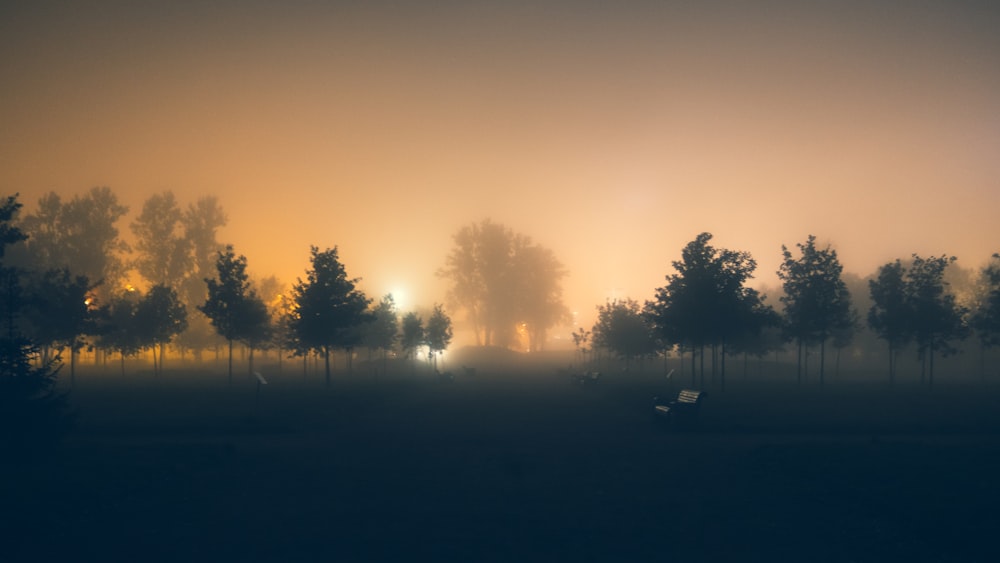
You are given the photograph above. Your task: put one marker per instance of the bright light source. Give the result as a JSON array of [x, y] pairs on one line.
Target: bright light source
[[400, 298]]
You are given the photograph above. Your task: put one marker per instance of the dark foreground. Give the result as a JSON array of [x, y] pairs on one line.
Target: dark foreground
[[506, 467]]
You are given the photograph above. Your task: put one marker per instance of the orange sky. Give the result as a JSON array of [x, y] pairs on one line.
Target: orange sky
[[611, 135]]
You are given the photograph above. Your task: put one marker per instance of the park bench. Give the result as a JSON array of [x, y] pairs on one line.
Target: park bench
[[682, 411], [586, 377], [445, 377]]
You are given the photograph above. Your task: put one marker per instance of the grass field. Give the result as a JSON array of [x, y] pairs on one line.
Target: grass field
[[514, 463]]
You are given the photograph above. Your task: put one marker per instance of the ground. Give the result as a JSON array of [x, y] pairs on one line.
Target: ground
[[514, 463]]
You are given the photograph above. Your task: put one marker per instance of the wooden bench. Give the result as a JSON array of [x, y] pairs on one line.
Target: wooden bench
[[682, 411], [586, 377]]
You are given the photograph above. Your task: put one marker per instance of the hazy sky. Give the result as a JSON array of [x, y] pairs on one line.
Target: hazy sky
[[611, 132]]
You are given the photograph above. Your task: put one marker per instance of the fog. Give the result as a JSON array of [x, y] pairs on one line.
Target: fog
[[612, 136]]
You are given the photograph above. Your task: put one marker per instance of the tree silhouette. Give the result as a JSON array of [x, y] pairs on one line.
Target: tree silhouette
[[438, 333], [79, 235], [160, 316], [581, 339], [201, 221], [537, 276], [121, 332], [706, 302], [256, 333], [381, 331], [817, 302], [60, 311], [622, 329], [329, 309], [890, 316], [232, 306], [32, 414], [986, 317], [164, 255], [937, 319], [411, 334], [501, 280]]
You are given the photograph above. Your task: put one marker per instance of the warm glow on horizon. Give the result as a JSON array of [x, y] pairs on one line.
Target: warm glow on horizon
[[612, 135]]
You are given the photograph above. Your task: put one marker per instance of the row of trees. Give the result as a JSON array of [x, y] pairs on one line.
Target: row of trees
[[322, 313], [706, 306]]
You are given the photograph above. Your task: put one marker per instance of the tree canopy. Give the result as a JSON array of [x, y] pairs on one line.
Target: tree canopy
[[329, 308], [233, 308], [502, 280], [706, 303], [817, 302]]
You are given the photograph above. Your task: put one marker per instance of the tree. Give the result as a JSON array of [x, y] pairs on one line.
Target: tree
[[60, 311], [232, 306], [256, 330], [817, 302], [32, 413], [381, 331], [160, 316], [121, 332], [438, 334], [890, 316], [622, 329], [538, 290], [200, 222], [329, 309], [411, 334], [937, 319], [986, 315], [80, 235], [502, 280], [706, 303], [164, 253], [581, 339]]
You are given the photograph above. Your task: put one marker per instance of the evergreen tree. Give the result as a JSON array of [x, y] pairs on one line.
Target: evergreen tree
[[32, 414]]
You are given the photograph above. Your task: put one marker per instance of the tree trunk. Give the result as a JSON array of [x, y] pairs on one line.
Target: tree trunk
[[694, 370], [892, 366], [230, 341], [822, 361], [930, 371], [326, 363], [798, 371], [722, 367], [701, 362], [72, 365]]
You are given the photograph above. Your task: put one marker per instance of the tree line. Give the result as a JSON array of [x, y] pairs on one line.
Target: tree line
[[707, 308], [72, 271], [75, 268]]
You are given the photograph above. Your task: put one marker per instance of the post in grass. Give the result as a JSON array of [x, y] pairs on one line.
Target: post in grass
[[260, 381]]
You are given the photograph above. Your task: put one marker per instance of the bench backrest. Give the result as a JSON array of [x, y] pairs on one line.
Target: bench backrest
[[689, 396]]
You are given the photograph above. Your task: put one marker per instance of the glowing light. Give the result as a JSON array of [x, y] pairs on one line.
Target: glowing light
[[400, 298]]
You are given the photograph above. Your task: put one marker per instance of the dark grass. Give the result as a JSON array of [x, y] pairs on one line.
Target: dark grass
[[513, 464]]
